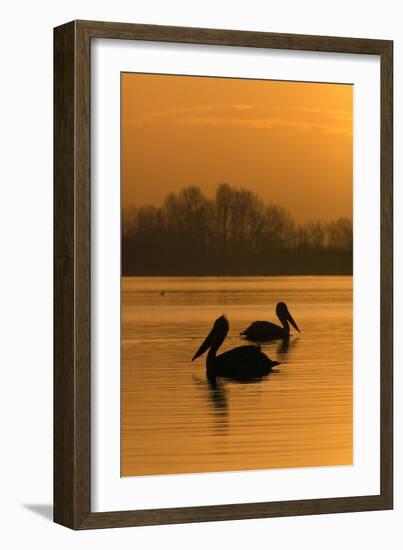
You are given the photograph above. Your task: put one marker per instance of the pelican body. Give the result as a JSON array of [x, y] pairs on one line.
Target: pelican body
[[263, 331], [239, 363]]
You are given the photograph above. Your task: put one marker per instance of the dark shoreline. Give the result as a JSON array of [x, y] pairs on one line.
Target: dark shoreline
[[157, 275]]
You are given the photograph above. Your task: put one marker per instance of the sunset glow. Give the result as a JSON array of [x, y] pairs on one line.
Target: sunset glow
[[290, 142]]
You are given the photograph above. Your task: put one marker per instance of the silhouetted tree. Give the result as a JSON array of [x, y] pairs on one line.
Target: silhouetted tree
[[233, 234]]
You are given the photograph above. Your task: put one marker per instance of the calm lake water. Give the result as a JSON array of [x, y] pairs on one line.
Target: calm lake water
[[174, 421]]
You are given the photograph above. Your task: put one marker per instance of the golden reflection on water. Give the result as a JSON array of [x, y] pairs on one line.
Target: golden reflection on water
[[175, 421]]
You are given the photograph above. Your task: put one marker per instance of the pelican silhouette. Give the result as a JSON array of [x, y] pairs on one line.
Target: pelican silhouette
[[239, 363], [263, 331]]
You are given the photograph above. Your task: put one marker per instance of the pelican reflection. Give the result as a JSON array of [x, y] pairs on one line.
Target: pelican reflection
[[285, 347]]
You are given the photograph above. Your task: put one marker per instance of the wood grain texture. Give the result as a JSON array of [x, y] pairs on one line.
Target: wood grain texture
[[387, 273], [221, 37], [72, 323], [64, 381], [72, 269]]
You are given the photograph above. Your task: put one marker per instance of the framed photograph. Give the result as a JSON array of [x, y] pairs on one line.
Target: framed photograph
[[222, 274]]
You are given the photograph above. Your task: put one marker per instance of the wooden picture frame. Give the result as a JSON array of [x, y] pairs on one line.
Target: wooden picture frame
[[72, 270]]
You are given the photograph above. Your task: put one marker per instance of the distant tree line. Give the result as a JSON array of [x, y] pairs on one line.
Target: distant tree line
[[234, 233]]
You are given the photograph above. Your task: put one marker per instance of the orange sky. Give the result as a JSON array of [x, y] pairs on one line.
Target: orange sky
[[290, 142]]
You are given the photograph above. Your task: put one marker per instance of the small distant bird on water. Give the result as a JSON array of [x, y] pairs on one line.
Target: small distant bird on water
[[243, 362], [263, 331]]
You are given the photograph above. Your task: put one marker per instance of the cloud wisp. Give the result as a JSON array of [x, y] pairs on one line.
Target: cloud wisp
[[251, 116]]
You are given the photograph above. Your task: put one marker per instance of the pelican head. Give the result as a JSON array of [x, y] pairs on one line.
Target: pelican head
[[215, 338], [284, 315]]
